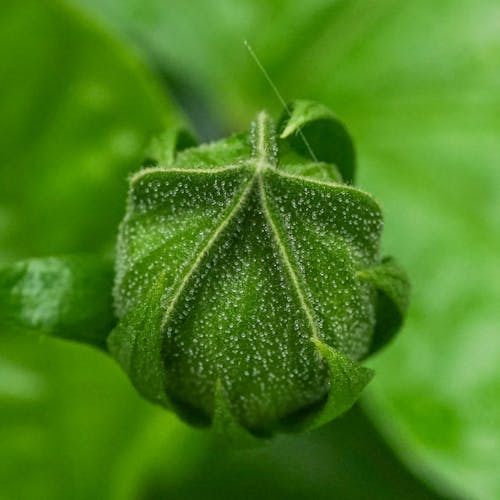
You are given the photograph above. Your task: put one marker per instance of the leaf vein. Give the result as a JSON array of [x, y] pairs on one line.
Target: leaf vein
[[302, 296]]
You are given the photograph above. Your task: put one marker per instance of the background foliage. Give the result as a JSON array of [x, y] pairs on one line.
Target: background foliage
[[83, 86]]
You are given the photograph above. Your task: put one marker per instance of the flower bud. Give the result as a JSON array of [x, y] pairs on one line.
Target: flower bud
[[249, 282]]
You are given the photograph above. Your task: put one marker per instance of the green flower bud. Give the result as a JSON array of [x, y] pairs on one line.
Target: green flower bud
[[248, 278]]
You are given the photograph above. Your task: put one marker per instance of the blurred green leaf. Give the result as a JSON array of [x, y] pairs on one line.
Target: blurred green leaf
[[68, 297], [76, 109], [215, 61], [346, 459], [73, 427], [417, 83], [75, 112]]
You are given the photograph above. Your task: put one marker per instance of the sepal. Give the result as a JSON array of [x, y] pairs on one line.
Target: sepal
[[347, 380], [229, 151], [327, 138], [163, 148], [136, 343], [393, 292], [326, 172], [226, 426]]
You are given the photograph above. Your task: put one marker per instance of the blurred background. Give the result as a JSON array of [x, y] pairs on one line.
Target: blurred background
[[83, 86]]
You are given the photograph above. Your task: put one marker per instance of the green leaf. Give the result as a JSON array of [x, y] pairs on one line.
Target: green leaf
[[227, 266], [68, 297], [76, 111], [393, 292], [313, 132]]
